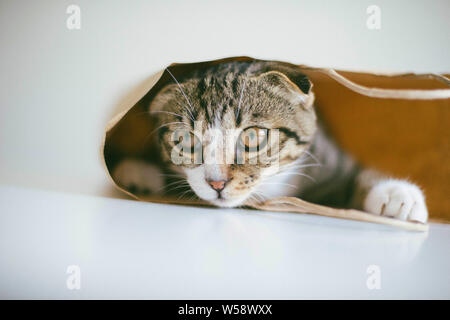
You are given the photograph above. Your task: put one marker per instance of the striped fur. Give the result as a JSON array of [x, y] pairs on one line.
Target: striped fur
[[235, 96]]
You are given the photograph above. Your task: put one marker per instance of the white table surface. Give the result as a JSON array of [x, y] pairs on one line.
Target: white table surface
[[129, 249]]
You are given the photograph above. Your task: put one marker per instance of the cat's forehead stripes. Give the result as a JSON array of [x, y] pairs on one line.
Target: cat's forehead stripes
[[216, 96]]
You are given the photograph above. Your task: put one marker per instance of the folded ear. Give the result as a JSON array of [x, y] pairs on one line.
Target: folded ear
[[291, 71], [283, 85]]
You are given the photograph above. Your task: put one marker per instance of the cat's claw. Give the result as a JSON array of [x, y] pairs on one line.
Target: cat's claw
[[398, 199]]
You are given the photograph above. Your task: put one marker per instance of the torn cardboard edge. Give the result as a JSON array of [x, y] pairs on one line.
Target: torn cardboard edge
[[292, 204]]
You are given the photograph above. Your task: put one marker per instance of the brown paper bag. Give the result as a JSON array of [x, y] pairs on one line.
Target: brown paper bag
[[397, 123]]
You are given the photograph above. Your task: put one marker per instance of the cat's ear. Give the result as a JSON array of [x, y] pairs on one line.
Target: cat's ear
[[291, 71], [289, 89]]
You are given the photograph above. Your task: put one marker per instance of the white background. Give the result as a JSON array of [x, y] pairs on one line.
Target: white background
[[59, 87]]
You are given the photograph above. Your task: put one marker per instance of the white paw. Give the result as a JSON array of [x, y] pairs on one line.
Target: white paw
[[139, 177], [397, 199]]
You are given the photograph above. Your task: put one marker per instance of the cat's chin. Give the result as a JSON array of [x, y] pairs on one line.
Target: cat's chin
[[227, 203]]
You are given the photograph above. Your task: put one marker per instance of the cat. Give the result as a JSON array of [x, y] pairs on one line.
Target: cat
[[275, 145]]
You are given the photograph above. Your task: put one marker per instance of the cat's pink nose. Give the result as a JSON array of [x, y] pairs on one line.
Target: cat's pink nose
[[217, 185]]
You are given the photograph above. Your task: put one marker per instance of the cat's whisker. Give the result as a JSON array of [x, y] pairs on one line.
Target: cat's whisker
[[261, 195], [180, 197], [303, 159], [177, 184], [162, 126], [184, 94], [304, 175], [290, 166], [168, 124], [184, 183], [171, 175], [258, 196], [164, 188], [176, 176], [166, 112], [178, 180], [156, 111], [300, 166], [312, 156], [279, 183], [295, 173], [250, 197], [193, 197]]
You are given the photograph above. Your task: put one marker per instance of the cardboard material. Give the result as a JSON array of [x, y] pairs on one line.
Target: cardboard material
[[396, 123]]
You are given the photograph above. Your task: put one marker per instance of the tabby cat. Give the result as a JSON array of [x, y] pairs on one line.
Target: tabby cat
[[248, 130]]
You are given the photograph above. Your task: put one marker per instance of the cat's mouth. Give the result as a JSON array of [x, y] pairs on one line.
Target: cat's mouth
[[219, 195]]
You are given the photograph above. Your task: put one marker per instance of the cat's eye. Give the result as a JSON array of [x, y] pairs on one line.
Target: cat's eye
[[185, 147], [253, 138], [188, 141]]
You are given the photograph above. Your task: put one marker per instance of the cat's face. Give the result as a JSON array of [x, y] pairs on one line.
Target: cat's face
[[228, 133]]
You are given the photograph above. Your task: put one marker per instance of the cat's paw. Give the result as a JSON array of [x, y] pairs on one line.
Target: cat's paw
[[139, 177], [397, 199]]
